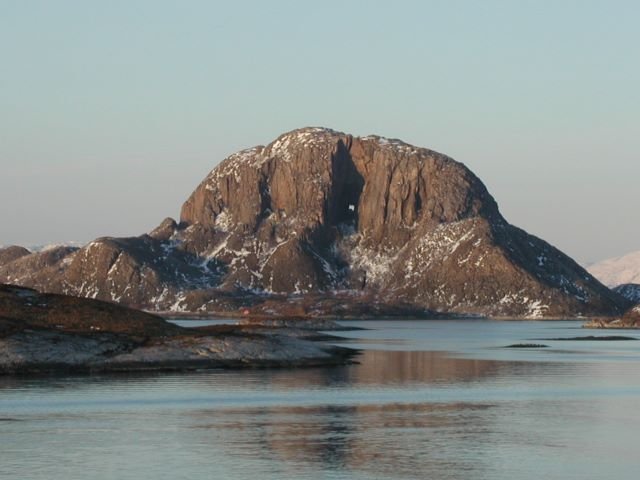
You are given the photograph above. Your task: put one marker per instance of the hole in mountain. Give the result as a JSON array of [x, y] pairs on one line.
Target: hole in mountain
[[346, 189]]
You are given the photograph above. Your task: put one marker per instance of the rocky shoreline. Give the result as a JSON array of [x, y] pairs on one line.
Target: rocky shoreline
[[630, 320], [46, 333], [47, 352]]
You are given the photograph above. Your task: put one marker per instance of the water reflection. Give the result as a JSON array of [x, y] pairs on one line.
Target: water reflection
[[385, 367], [396, 414], [372, 434], [392, 439], [389, 368]]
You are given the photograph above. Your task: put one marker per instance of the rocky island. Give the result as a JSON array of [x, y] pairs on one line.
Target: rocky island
[[322, 223], [42, 333]]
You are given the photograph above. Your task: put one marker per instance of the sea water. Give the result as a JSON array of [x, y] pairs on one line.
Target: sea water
[[427, 399]]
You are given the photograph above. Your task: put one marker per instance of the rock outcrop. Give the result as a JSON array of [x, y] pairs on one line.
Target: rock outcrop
[[41, 269], [49, 332], [324, 222]]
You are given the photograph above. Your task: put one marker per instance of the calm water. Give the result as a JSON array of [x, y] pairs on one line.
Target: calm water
[[431, 399]]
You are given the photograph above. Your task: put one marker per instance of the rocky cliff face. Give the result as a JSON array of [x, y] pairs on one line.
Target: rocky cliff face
[[323, 220]]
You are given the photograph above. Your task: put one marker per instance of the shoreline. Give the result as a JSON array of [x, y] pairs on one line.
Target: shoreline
[[443, 316], [42, 332], [48, 352]]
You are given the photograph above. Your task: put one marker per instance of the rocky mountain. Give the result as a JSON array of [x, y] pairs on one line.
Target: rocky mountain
[[619, 270], [319, 222], [9, 254]]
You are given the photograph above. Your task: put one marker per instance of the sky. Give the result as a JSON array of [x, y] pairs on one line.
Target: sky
[[111, 113]]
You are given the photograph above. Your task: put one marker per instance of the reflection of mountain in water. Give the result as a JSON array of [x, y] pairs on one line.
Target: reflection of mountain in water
[[389, 436], [382, 367], [377, 437]]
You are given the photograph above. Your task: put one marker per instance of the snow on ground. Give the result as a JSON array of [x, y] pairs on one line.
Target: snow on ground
[[535, 308], [376, 264], [223, 221]]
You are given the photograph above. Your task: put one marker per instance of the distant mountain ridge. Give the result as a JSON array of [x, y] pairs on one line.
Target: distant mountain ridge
[[50, 246], [618, 270], [328, 223]]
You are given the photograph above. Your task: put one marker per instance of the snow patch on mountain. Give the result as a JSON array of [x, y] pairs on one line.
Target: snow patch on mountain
[[619, 270]]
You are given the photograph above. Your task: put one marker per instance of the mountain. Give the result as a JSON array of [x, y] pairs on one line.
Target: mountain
[[619, 270], [9, 254], [630, 291], [319, 222]]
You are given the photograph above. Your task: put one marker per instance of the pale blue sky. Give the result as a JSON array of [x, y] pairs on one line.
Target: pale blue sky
[[112, 112]]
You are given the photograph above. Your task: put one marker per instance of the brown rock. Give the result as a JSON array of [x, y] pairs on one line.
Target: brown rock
[[51, 333], [631, 319], [38, 269], [317, 212], [9, 254]]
